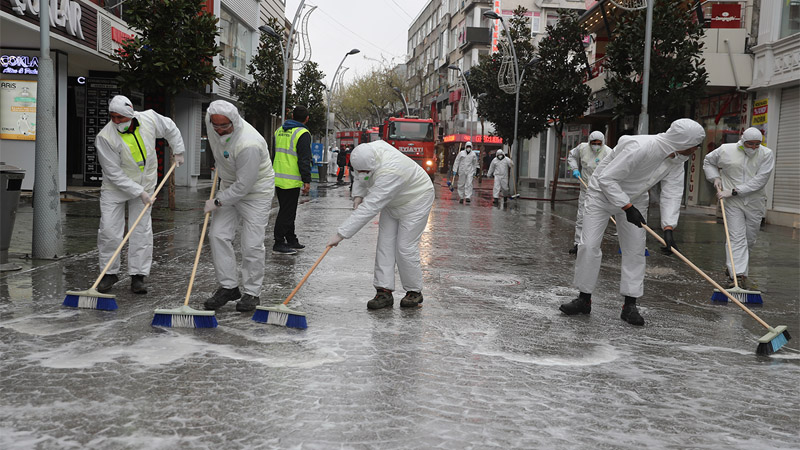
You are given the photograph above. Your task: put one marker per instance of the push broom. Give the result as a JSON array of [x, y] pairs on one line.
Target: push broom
[[646, 253], [92, 298], [744, 296], [185, 316], [281, 315], [452, 181], [769, 343]]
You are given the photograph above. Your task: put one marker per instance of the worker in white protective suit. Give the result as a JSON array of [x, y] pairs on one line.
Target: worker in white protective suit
[[583, 159], [619, 188], [499, 168], [126, 148], [333, 153], [464, 166], [247, 184], [390, 183], [740, 171]]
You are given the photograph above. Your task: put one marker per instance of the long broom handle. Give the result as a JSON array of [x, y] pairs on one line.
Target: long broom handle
[[200, 245], [703, 274], [133, 227], [587, 188], [728, 239], [297, 288]]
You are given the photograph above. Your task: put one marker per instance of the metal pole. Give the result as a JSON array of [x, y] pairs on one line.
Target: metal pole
[[46, 240], [515, 148], [287, 57], [648, 38], [327, 120]]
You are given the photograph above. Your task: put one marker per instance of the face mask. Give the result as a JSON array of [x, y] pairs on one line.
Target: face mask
[[748, 151], [500, 156], [596, 147], [123, 126], [469, 150]]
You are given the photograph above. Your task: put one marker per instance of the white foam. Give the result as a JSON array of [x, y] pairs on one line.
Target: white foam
[[603, 354], [52, 324]]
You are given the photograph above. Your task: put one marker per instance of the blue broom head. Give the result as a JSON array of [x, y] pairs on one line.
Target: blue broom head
[[184, 317], [89, 300], [449, 183], [280, 315], [751, 297], [773, 341]]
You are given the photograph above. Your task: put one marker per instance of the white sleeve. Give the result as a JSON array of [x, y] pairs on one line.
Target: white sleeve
[[618, 169], [492, 167], [360, 187], [671, 196], [457, 162], [248, 161], [112, 170], [387, 186], [574, 158], [761, 177], [710, 165], [166, 128]]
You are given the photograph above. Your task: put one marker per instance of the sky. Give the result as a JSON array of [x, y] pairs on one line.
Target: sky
[[379, 28]]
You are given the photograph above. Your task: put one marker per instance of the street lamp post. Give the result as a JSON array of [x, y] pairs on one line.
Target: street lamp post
[[286, 54], [402, 97], [376, 109], [515, 148], [330, 93], [469, 95]]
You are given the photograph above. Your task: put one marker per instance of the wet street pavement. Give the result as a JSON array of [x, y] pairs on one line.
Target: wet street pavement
[[488, 361]]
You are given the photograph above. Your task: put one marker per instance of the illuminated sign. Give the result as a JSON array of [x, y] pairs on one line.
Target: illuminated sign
[[18, 111], [477, 138], [64, 14], [22, 64]]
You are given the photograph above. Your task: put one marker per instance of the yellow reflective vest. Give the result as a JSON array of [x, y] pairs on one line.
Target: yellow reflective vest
[[287, 171]]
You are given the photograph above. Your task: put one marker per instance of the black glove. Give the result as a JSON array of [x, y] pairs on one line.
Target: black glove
[[634, 216], [667, 250]]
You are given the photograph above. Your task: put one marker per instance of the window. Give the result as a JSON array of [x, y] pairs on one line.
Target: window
[[790, 18], [414, 131], [536, 22], [552, 19], [235, 42]]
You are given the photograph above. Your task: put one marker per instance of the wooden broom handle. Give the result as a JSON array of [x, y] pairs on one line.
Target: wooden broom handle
[[307, 274], [703, 274], [587, 188], [728, 239], [133, 227], [202, 237]]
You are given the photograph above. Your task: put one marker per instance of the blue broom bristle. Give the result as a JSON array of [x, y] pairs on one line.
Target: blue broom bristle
[[261, 315], [754, 298], [280, 319], [81, 301], [296, 322], [718, 296], [774, 345], [184, 321]]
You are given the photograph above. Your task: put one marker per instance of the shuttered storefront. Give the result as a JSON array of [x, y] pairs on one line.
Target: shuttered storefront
[[786, 193]]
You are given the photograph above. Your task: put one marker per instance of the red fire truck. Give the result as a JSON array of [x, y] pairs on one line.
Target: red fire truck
[[414, 137]]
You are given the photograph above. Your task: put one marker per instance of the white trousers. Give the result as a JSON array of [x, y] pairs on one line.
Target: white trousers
[[631, 240], [500, 188], [253, 216], [465, 184], [743, 226], [579, 217], [112, 230], [399, 233]]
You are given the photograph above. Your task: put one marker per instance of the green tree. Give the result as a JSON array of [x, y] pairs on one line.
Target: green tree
[[677, 75], [262, 98], [498, 106], [559, 90], [310, 91], [351, 103]]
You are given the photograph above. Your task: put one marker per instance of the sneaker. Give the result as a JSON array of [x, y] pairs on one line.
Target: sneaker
[[137, 284], [248, 303], [108, 281], [631, 315], [382, 299], [296, 245], [221, 297], [743, 283], [283, 249], [577, 306], [411, 299], [574, 250], [468, 200], [461, 200]]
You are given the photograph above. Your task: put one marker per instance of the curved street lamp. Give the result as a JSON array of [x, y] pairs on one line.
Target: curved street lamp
[[469, 94], [376, 109], [402, 97], [330, 94]]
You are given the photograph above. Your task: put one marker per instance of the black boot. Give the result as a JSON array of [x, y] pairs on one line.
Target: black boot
[[411, 299], [581, 305], [248, 303], [383, 299], [108, 281], [630, 313], [137, 284], [221, 297], [574, 250]]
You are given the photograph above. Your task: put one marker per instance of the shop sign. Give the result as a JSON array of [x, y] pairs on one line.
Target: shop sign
[[64, 14], [726, 15], [18, 110], [22, 64], [759, 112]]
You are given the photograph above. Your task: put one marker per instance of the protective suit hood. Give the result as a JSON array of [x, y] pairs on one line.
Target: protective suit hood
[[597, 136], [226, 109], [683, 134], [468, 144], [364, 157], [499, 152], [750, 134], [121, 105]]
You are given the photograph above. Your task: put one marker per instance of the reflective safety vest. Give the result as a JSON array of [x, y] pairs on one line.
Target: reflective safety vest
[[287, 171], [135, 142]]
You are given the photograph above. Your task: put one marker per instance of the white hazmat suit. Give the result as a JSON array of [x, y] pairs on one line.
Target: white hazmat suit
[[636, 164], [247, 184], [400, 190], [499, 169], [465, 165], [124, 182], [585, 158], [747, 171]]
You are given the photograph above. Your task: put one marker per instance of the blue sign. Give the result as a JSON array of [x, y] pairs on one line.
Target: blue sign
[[317, 152]]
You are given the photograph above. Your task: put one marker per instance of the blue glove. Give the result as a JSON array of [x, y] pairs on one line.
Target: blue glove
[[576, 173], [455, 173]]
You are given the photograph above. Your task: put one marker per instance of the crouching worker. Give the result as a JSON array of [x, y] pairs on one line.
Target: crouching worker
[[390, 183], [247, 184], [619, 188]]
